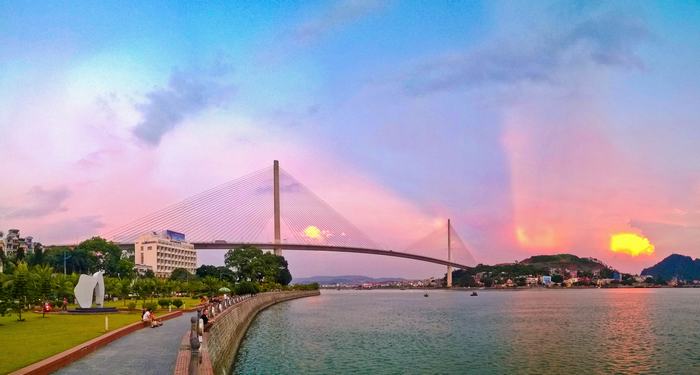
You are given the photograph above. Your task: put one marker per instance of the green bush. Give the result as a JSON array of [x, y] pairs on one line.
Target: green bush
[[150, 305], [178, 303], [131, 306], [247, 287], [164, 303], [312, 286]]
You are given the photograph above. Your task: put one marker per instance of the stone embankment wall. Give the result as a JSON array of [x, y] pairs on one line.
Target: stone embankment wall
[[224, 337]]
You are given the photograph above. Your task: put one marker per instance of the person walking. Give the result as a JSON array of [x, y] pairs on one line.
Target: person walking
[[64, 307]]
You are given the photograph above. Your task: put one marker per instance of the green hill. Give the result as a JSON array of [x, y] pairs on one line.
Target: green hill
[[565, 261], [675, 266], [536, 265]]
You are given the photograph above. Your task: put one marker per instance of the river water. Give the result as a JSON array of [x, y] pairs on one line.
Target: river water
[[586, 331]]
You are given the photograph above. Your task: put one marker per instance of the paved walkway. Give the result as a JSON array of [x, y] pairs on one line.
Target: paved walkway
[[146, 351]]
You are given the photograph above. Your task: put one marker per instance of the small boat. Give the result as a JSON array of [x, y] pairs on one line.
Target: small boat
[[474, 294], [425, 295]]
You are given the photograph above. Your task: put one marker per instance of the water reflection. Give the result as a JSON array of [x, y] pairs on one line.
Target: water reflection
[[565, 331]]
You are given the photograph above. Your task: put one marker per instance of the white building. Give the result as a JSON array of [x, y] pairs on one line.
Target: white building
[[13, 243], [163, 252]]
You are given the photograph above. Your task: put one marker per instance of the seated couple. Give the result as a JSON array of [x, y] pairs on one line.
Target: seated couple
[[148, 316]]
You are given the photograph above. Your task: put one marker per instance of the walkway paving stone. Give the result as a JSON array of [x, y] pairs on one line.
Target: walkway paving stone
[[146, 351]]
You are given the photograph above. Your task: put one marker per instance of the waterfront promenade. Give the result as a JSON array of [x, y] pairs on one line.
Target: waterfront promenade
[[147, 351]]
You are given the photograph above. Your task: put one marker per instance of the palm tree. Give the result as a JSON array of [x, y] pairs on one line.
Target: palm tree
[[42, 277]]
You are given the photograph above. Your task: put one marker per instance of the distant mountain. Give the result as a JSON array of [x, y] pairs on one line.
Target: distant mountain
[[675, 265], [344, 280], [567, 261]]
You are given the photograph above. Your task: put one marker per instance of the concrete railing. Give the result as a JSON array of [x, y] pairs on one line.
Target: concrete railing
[[224, 332]]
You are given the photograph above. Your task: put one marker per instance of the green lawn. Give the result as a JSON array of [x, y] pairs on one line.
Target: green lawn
[[189, 302], [24, 343]]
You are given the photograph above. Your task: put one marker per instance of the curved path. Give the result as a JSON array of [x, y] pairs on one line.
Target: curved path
[[146, 351]]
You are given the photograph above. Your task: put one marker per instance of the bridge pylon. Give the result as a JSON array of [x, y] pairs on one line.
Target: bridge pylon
[[276, 194]]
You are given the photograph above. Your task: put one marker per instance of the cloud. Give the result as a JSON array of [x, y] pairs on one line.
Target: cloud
[[309, 32], [70, 230], [187, 93], [607, 39], [42, 202], [334, 18], [671, 238]]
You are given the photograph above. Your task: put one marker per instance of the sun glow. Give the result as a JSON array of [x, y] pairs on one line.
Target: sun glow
[[631, 243], [313, 232]]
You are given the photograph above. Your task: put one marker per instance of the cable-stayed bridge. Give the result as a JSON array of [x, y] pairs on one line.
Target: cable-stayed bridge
[[271, 209]]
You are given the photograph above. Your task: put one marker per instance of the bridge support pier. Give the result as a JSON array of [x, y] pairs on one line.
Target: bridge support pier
[[449, 255], [449, 276]]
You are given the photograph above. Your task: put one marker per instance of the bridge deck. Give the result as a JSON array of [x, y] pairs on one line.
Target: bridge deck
[[305, 247]]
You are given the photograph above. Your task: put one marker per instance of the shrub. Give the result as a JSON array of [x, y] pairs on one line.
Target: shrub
[[247, 287], [131, 306], [164, 303], [178, 303], [312, 286], [150, 305]]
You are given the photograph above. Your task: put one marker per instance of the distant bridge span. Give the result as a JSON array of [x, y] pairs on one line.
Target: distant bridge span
[[303, 247]]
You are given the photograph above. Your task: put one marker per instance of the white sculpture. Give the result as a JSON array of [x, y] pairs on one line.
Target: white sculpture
[[89, 286]]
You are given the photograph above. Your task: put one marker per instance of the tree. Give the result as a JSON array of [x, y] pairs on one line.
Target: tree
[[149, 274], [558, 279], [20, 254], [107, 254], [180, 274], [144, 288], [43, 276], [247, 287], [112, 286], [212, 285], [3, 260], [125, 269], [37, 257], [245, 263], [20, 288], [284, 277], [194, 287], [251, 264], [206, 270], [125, 288], [5, 297], [63, 285]]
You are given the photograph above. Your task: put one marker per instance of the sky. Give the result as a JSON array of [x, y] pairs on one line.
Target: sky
[[536, 127]]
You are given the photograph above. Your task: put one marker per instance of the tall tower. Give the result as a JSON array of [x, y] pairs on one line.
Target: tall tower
[[276, 193], [449, 254]]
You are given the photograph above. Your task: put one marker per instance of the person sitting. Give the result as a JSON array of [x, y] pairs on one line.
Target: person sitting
[[150, 318], [155, 320]]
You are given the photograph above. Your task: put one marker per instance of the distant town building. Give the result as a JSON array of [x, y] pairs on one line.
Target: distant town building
[[13, 243], [163, 252], [546, 280]]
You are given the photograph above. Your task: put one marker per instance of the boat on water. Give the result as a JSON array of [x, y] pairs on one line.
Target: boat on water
[[425, 295], [474, 294]]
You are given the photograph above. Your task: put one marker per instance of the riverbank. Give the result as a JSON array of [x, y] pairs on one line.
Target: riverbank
[[227, 329]]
